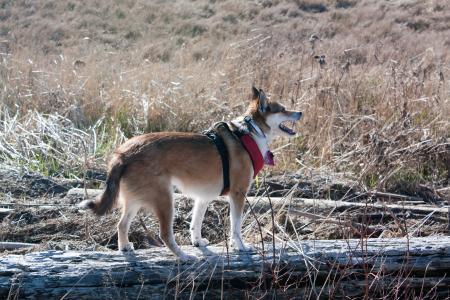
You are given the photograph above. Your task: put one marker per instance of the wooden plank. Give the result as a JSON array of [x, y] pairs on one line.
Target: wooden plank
[[318, 269]]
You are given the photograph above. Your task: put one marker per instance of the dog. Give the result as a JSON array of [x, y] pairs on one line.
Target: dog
[[143, 171]]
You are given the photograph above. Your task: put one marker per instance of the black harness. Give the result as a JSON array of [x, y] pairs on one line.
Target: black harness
[[222, 148], [240, 130]]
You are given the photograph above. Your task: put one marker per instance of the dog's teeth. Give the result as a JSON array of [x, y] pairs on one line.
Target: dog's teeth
[[286, 126]]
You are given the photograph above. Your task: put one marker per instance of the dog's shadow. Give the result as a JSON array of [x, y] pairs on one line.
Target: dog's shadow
[[206, 255], [226, 254], [208, 252]]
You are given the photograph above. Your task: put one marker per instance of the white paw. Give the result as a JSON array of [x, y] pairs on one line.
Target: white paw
[[127, 247], [242, 247], [200, 242], [186, 257], [246, 248]]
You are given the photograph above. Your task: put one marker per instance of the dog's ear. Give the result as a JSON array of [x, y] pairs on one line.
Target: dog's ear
[[255, 93], [260, 96], [262, 101]]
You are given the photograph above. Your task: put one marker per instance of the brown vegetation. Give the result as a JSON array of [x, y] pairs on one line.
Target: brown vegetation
[[376, 104], [371, 77]]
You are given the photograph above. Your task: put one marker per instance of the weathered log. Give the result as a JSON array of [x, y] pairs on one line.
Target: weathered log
[[393, 268]]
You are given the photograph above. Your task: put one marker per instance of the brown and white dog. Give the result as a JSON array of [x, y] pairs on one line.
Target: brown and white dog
[[143, 171]]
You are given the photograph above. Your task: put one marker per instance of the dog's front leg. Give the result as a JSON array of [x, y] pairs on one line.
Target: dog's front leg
[[237, 202], [198, 214]]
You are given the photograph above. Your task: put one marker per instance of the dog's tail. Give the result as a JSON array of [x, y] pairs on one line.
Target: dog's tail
[[106, 201]]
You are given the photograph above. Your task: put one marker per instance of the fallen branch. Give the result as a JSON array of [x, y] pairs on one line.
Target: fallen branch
[[82, 193], [296, 202], [4, 212], [345, 205], [396, 196], [359, 228], [14, 245]]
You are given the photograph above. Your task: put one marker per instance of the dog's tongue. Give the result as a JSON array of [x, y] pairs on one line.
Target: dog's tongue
[[268, 158]]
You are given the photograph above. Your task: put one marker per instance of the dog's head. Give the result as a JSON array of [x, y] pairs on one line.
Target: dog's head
[[271, 116]]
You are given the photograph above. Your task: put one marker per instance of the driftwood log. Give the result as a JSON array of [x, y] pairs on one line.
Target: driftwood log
[[390, 268]]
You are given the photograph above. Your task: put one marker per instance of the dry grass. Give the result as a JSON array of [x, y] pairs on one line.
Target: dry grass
[[377, 107], [52, 145], [374, 107]]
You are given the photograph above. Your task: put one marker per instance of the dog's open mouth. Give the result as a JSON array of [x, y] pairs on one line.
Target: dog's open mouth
[[288, 127]]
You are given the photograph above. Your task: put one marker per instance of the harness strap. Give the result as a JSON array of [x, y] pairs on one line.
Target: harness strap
[[223, 152], [247, 142]]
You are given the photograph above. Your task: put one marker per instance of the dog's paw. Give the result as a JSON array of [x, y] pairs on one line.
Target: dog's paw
[[242, 247], [127, 248], [186, 257], [200, 242], [246, 248]]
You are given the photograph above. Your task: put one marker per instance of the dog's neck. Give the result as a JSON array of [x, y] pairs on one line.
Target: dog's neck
[[257, 130], [262, 142], [261, 139]]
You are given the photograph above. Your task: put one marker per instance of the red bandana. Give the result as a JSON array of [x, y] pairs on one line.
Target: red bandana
[[255, 155]]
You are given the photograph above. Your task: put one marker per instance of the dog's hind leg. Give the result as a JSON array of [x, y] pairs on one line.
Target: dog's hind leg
[[129, 211], [198, 214], [164, 211]]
